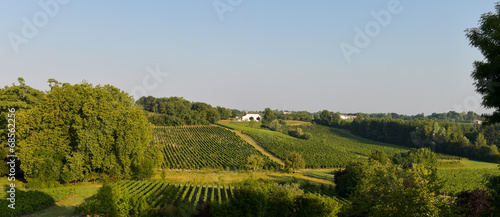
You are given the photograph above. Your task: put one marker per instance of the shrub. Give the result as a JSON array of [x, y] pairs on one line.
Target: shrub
[[110, 201], [475, 203], [316, 205]]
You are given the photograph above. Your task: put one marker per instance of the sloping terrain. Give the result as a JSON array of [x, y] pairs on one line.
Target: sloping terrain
[[197, 147]]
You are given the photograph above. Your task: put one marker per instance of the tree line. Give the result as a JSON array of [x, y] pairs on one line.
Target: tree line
[[177, 111], [478, 142], [451, 116]]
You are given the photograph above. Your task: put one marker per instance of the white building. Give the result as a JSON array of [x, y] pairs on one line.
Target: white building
[[251, 116], [350, 117]]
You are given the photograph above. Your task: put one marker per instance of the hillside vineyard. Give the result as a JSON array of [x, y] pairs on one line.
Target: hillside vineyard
[[197, 147]]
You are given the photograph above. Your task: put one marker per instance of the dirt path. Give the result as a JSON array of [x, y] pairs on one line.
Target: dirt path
[[254, 143]]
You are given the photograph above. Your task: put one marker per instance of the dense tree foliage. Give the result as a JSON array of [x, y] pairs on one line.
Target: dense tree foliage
[[268, 117], [111, 200], [493, 185], [265, 198], [375, 189], [278, 125], [347, 179], [299, 116], [21, 97], [176, 111], [26, 202], [255, 162], [294, 162], [82, 132], [479, 142], [486, 38], [298, 133], [474, 203], [380, 156], [450, 116]]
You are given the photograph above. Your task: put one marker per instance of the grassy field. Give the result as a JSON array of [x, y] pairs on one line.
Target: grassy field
[[243, 123], [65, 204], [294, 122], [471, 164], [204, 177], [66, 207]]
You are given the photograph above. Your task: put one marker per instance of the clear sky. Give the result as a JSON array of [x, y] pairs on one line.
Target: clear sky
[[410, 57]]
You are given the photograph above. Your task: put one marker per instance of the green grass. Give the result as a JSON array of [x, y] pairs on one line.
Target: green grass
[[207, 177], [67, 197], [66, 207], [471, 164], [326, 173], [245, 123], [294, 122]]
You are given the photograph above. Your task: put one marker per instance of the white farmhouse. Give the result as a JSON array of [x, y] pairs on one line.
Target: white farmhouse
[[348, 117], [251, 116]]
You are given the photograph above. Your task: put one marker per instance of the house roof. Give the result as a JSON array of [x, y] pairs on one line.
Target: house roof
[[252, 113]]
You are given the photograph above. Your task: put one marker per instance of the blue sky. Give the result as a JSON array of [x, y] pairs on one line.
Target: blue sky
[[283, 55]]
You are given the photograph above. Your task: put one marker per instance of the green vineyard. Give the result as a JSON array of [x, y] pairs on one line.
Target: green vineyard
[[158, 194], [316, 154], [464, 179], [328, 148], [197, 147]]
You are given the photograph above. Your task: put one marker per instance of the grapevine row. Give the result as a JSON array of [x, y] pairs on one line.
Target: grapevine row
[[199, 147]]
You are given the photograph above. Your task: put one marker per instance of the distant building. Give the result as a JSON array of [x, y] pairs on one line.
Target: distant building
[[477, 122], [287, 112], [348, 117], [251, 116]]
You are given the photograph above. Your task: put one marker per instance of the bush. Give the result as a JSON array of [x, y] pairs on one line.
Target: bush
[[316, 205], [110, 201], [306, 136], [265, 198], [299, 134], [37, 184], [475, 203], [294, 162], [26, 202]]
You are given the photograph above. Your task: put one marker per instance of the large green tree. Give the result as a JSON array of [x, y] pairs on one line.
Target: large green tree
[[255, 162], [82, 131], [269, 116], [21, 97], [408, 188], [486, 73], [294, 162], [325, 118]]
